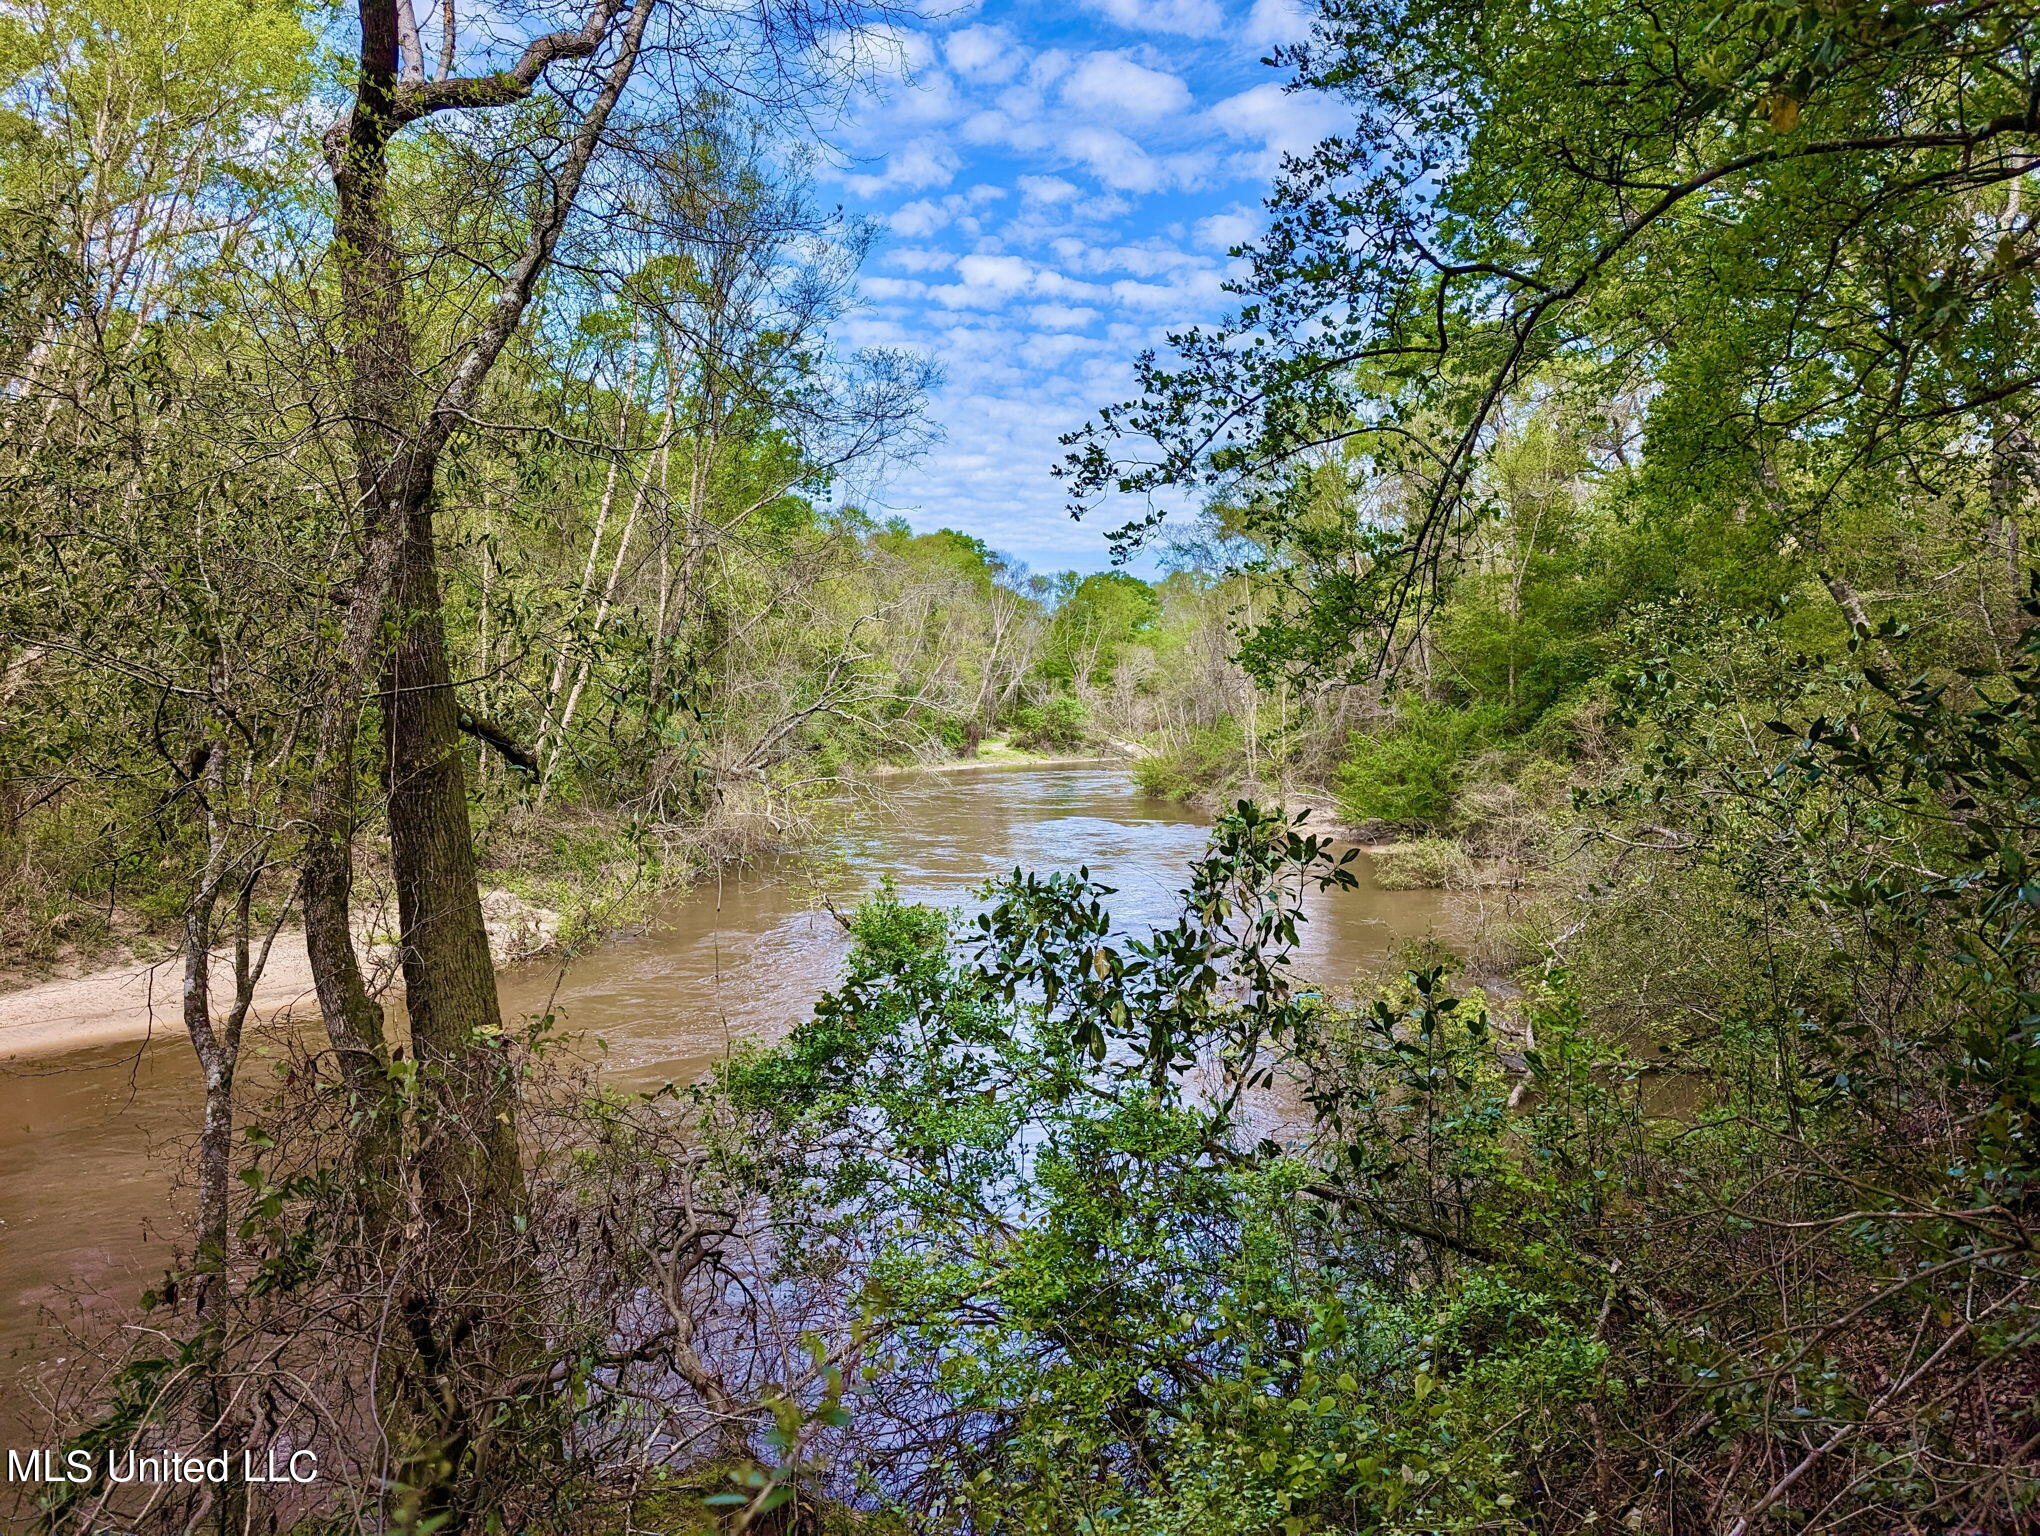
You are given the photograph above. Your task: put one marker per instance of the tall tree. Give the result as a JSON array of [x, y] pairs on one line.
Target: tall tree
[[405, 404], [402, 421]]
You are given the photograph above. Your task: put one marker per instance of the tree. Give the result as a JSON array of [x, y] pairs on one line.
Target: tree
[[1096, 618], [1797, 230], [405, 409]]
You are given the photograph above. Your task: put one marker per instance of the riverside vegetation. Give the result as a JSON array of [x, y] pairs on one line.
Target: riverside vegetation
[[1616, 484]]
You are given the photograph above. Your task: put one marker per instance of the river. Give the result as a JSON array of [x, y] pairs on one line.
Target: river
[[87, 1140]]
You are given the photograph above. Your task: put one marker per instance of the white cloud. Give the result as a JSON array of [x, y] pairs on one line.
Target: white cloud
[[1047, 190], [1277, 21], [960, 211], [1140, 260], [1002, 128], [1191, 292], [1045, 68], [918, 258], [923, 163], [1062, 317], [984, 282], [1113, 158], [1187, 18], [1047, 349], [1006, 274], [1281, 122], [989, 280], [983, 52], [1111, 82], [917, 220], [1223, 231], [1052, 284], [883, 289]]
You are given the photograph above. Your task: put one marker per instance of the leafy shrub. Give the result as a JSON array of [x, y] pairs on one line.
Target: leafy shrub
[[1060, 725], [1408, 774], [1102, 1299], [957, 739], [1205, 761]]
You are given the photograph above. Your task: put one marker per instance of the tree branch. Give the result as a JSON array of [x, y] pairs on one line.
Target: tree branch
[[485, 730], [418, 98]]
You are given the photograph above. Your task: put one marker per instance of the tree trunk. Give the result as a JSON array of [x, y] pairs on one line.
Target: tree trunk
[[216, 1062], [462, 1295], [449, 981], [469, 1155], [217, 1044]]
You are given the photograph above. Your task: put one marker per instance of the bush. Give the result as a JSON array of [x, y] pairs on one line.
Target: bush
[[1080, 1232], [1408, 774], [1060, 725], [1429, 863], [1205, 761], [958, 739]]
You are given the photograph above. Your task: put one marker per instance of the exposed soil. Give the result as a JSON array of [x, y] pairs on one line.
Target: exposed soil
[[135, 1000]]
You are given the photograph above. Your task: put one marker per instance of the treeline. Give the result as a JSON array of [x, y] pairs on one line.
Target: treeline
[[1629, 420], [669, 629], [1619, 469]]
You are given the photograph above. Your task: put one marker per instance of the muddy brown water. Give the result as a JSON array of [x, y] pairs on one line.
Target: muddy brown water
[[89, 1206]]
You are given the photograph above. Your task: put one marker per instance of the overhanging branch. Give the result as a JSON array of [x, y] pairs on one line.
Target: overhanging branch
[[507, 746]]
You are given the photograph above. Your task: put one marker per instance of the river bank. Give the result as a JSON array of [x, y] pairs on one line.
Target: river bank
[[137, 999], [997, 754], [92, 1122], [134, 998], [133, 1002]]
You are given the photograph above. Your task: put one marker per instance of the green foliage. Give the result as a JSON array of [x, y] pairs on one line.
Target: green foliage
[[1060, 725], [1098, 1301], [944, 550], [662, 626], [1721, 239], [1095, 620], [1406, 775], [1204, 762], [1494, 1270]]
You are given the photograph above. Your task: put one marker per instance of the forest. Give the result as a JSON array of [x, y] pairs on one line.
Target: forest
[[442, 512]]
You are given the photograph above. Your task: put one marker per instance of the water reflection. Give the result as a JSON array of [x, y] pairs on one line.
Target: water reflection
[[88, 1141]]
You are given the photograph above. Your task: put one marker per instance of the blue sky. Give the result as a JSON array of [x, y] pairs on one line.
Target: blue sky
[[1059, 183]]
